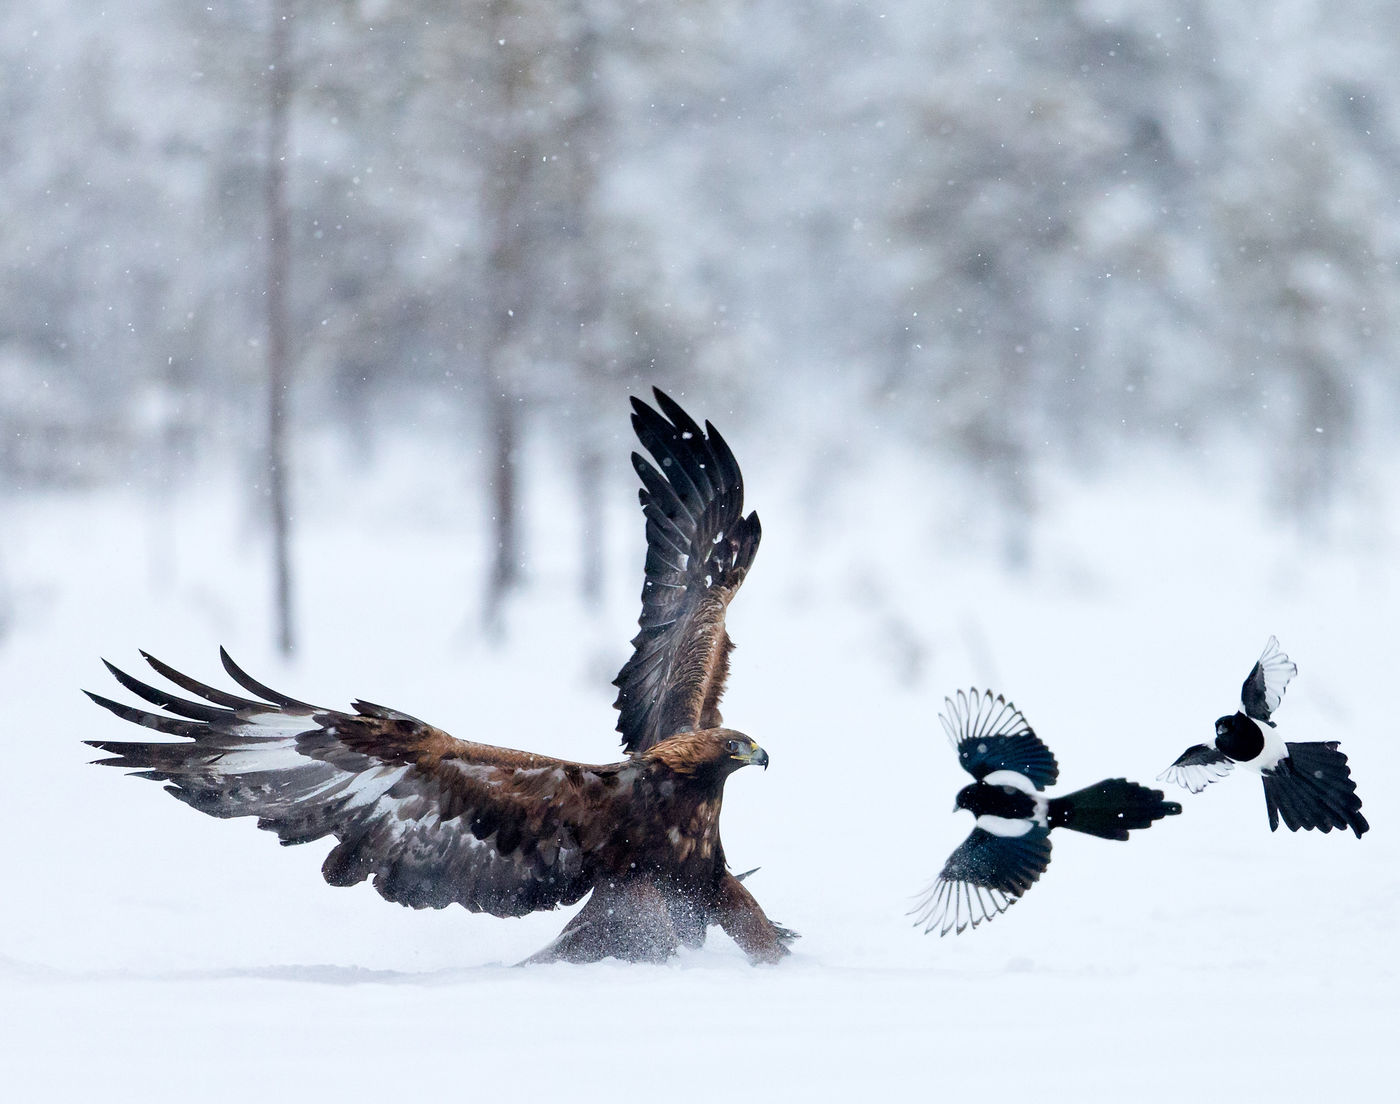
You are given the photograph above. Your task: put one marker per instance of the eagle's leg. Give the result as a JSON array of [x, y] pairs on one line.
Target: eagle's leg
[[627, 919], [742, 919]]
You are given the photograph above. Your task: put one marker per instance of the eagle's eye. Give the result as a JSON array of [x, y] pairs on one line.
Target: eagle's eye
[[732, 747]]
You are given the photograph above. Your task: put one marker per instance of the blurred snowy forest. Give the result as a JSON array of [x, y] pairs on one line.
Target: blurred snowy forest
[[1056, 340], [1018, 236]]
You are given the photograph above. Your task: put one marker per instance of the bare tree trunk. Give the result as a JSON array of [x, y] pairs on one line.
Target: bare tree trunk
[[505, 504], [583, 150], [590, 501], [278, 264], [508, 290]]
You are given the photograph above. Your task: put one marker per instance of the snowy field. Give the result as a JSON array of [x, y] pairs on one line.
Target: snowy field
[[149, 953]]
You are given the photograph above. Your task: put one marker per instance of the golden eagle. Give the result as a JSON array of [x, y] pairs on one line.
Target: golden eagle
[[435, 821]]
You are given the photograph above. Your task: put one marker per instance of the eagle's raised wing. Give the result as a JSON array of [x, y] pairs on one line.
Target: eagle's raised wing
[[699, 548], [990, 734], [433, 820], [1262, 692]]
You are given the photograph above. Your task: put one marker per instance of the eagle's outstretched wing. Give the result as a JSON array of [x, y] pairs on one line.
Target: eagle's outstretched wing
[[990, 734], [699, 548], [433, 820]]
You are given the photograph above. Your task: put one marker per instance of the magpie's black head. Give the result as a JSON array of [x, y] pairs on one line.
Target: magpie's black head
[[1238, 737]]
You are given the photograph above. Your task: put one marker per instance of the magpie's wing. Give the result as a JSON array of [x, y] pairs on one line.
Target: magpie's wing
[[990, 734], [1197, 767], [985, 875], [1262, 692], [700, 545]]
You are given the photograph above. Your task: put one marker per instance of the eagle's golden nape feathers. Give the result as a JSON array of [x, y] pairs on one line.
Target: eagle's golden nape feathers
[[431, 820], [716, 749]]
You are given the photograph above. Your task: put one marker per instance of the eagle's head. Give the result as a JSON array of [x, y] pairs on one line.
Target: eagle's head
[[715, 752]]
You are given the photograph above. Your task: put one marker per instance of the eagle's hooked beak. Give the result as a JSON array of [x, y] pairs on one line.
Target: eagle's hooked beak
[[745, 752]]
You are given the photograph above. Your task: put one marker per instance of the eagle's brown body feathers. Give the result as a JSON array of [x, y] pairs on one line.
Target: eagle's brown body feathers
[[433, 820]]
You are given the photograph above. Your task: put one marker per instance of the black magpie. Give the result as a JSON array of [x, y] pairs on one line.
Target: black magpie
[[1307, 784], [1009, 847]]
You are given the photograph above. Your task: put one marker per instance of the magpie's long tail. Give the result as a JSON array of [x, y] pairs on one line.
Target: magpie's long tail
[[1312, 788], [1110, 809]]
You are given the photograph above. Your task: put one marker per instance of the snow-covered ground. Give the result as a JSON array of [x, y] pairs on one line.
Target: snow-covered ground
[[149, 953]]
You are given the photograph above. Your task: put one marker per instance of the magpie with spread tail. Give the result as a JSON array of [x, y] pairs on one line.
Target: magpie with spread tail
[[1009, 847], [1307, 784]]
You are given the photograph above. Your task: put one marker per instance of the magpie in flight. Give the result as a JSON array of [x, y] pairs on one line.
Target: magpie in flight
[[1308, 785], [1009, 847]]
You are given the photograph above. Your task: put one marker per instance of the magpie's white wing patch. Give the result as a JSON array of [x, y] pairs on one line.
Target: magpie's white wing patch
[[990, 734], [1262, 692], [1197, 767], [985, 875]]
